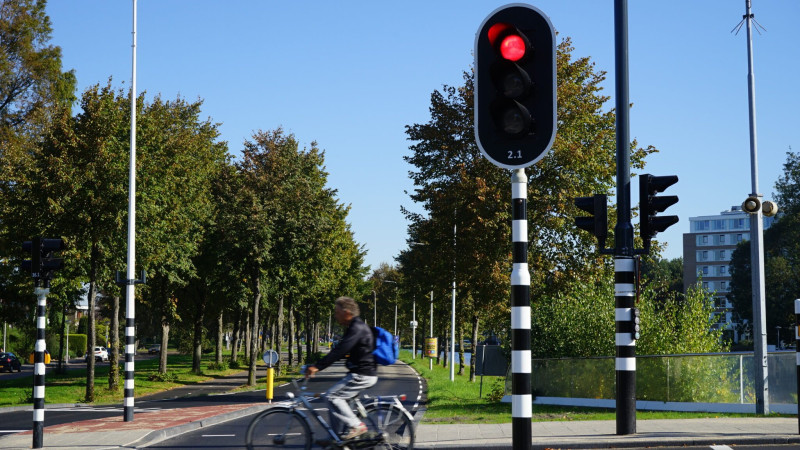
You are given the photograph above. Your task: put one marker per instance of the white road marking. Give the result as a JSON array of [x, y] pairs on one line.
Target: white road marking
[[720, 447]]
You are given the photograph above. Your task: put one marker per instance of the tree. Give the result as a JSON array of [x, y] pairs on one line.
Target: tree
[[31, 80]]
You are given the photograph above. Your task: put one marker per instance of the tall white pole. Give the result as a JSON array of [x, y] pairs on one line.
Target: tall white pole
[[430, 359], [756, 243], [130, 312], [453, 318], [414, 331]]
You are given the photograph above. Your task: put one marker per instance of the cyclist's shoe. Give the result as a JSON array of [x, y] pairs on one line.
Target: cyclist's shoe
[[355, 431]]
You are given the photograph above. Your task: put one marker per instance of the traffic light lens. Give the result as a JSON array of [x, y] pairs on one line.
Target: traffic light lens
[[514, 85], [512, 48], [515, 121]]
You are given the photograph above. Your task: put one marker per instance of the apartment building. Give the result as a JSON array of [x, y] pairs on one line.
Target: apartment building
[[707, 250]]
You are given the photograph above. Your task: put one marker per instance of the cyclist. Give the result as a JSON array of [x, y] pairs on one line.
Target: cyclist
[[358, 344]]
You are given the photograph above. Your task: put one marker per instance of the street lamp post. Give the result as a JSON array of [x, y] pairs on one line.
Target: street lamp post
[[374, 309]]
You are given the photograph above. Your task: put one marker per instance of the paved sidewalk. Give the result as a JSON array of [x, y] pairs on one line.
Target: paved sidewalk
[[150, 428]]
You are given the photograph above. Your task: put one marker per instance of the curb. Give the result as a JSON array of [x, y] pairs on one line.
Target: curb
[[157, 436]]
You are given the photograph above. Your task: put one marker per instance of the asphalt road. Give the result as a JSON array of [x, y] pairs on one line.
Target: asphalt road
[[396, 379]]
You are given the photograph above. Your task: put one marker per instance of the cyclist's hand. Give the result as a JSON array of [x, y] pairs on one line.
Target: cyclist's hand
[[310, 371]]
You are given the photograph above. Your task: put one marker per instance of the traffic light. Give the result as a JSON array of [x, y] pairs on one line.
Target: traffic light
[[635, 323], [597, 224], [515, 86], [650, 205], [43, 261]]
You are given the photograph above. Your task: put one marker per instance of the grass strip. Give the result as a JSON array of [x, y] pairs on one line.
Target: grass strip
[[461, 401]]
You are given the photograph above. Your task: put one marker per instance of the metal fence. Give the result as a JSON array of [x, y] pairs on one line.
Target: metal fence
[[722, 379]]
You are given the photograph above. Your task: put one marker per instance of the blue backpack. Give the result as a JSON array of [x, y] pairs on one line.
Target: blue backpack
[[387, 349]]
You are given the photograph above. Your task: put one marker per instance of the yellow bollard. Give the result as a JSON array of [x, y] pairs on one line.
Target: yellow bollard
[[270, 377]]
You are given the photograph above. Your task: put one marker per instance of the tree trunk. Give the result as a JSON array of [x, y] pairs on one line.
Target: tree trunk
[[220, 334], [247, 338], [113, 372], [197, 341], [61, 367], [309, 331], [279, 333], [461, 352], [162, 357], [291, 332], [475, 322], [235, 337], [251, 374], [299, 321]]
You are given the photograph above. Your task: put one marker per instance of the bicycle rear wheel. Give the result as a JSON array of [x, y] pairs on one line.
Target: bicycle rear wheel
[[278, 428], [393, 426]]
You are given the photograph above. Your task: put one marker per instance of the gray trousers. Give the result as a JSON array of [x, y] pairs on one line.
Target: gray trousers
[[339, 394]]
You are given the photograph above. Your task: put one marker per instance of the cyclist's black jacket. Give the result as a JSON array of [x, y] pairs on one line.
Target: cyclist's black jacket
[[359, 343]]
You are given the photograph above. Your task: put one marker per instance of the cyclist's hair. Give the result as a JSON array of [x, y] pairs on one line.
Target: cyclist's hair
[[349, 305]]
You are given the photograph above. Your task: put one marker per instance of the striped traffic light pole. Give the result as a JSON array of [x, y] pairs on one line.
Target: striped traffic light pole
[[625, 362], [39, 366], [521, 399]]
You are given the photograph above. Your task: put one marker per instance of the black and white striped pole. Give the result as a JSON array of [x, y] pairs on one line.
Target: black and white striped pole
[[39, 364], [625, 338], [130, 298], [521, 399]]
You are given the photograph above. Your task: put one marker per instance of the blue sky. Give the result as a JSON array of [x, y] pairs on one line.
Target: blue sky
[[350, 75]]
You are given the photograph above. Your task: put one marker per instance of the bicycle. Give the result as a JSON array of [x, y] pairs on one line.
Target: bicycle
[[288, 425]]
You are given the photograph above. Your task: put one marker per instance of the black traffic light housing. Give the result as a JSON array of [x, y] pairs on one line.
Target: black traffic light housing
[[43, 262], [650, 204], [597, 223], [515, 86]]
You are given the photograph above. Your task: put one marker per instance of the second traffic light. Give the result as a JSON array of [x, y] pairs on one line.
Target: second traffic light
[[597, 223], [515, 86], [651, 204], [43, 261]]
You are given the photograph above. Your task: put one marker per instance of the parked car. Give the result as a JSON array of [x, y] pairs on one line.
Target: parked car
[[9, 362], [154, 349], [100, 354]]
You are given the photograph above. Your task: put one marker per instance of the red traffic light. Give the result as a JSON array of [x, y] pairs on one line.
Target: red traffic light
[[513, 48], [511, 44]]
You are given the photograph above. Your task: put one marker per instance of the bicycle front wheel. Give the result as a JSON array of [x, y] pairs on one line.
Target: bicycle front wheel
[[393, 426], [278, 428]]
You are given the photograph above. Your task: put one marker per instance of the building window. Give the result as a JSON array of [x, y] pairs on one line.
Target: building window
[[719, 224], [738, 224], [705, 240], [701, 225], [723, 270], [705, 270], [722, 285], [721, 238], [722, 255], [738, 238], [705, 255], [705, 285]]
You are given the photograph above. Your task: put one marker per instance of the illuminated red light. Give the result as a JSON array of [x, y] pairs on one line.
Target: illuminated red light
[[512, 48]]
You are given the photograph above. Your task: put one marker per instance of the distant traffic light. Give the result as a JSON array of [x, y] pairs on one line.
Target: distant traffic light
[[515, 86], [597, 223], [650, 224], [43, 261]]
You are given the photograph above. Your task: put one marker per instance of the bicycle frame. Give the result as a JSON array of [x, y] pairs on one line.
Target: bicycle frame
[[358, 407]]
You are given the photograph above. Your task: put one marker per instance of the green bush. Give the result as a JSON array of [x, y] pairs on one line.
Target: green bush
[[169, 377]]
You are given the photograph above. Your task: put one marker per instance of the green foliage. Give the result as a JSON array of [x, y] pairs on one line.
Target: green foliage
[[168, 377]]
